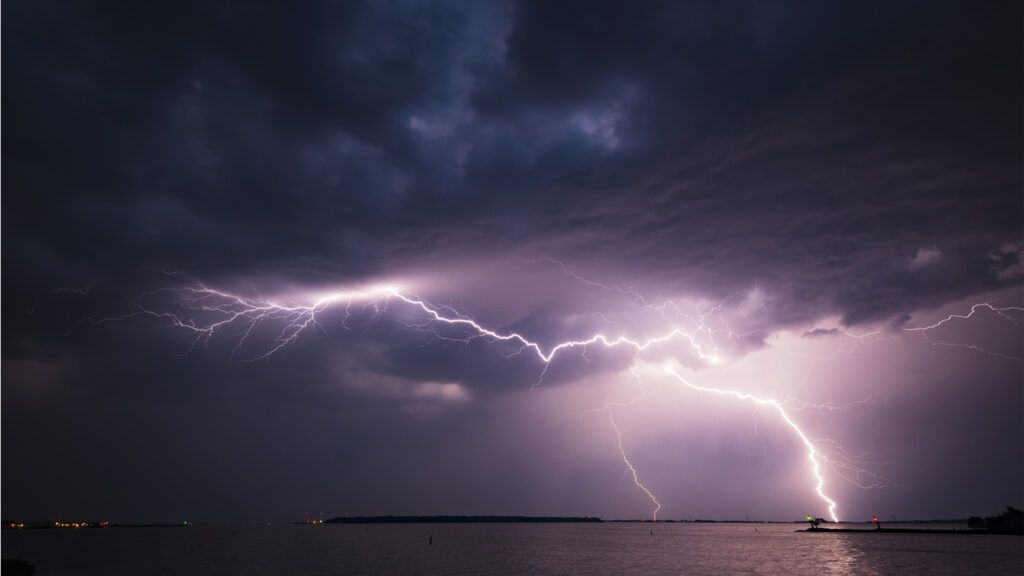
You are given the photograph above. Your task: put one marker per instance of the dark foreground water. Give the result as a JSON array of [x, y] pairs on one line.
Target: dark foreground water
[[542, 549]]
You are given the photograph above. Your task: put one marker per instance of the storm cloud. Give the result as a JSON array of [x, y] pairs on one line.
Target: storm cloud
[[818, 168]]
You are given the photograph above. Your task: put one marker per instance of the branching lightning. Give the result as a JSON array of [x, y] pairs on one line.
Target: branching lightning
[[1005, 312], [206, 312]]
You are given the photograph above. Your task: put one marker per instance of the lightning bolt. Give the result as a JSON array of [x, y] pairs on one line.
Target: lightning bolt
[[632, 469], [846, 466], [549, 355], [1004, 312], [234, 310], [607, 409], [206, 312], [813, 454]]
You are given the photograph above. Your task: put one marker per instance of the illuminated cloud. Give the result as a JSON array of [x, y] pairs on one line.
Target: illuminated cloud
[[924, 258]]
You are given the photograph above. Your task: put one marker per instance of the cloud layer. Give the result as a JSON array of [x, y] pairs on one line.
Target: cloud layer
[[815, 169]]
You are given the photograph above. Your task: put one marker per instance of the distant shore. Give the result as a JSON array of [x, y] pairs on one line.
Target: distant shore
[[458, 519], [84, 525]]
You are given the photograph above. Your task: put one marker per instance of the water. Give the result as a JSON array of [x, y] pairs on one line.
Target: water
[[535, 549]]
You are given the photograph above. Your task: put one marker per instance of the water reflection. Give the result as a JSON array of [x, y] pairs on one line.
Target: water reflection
[[510, 549]]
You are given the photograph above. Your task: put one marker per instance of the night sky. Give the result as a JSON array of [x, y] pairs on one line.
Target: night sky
[[803, 182]]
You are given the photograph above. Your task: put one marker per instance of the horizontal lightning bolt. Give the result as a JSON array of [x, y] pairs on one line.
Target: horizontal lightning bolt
[[549, 355], [1001, 310]]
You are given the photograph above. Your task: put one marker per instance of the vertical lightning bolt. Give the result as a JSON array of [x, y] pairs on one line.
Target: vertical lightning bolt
[[632, 469], [672, 313], [607, 409], [813, 455]]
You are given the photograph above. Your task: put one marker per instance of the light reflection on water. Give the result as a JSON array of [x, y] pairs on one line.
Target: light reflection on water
[[535, 549]]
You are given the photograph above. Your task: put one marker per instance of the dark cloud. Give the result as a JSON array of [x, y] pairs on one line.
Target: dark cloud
[[852, 160], [818, 332], [221, 136]]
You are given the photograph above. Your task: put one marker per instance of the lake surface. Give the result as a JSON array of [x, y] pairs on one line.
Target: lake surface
[[536, 549]]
